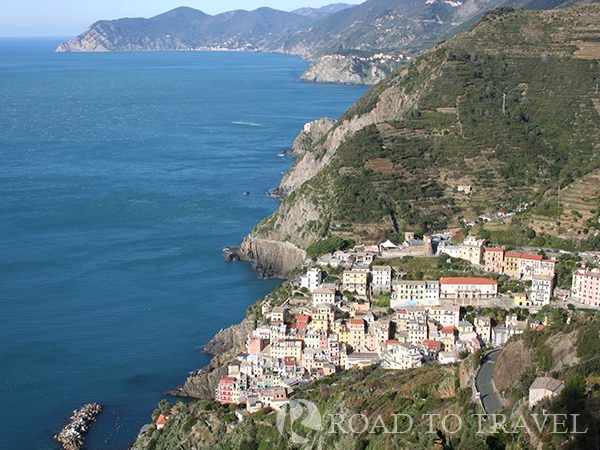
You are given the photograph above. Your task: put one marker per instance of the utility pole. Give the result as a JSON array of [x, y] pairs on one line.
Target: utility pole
[[558, 206]]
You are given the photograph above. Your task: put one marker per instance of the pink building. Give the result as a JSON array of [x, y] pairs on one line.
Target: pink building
[[257, 345], [589, 287], [225, 390], [494, 260], [534, 265]]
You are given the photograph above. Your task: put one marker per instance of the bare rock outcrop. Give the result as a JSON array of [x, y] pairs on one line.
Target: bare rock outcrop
[[272, 258], [224, 347], [310, 135], [343, 69], [275, 244]]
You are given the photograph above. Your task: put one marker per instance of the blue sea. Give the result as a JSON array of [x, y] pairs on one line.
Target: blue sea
[[121, 180]]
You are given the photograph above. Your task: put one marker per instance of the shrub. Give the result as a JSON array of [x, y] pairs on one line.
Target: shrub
[[328, 245]]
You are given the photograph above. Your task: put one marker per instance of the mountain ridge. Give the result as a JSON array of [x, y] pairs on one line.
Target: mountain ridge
[[361, 44]]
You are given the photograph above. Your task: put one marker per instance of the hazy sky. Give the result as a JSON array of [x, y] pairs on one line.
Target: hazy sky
[[72, 17]]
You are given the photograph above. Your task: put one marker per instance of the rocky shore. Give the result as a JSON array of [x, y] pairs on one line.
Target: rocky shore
[[72, 435], [224, 347]]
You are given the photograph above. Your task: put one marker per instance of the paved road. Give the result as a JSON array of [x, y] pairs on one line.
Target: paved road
[[483, 383]]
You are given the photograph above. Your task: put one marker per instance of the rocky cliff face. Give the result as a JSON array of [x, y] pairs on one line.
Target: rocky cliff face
[[390, 104], [272, 258], [347, 70], [312, 133], [225, 346], [275, 244]]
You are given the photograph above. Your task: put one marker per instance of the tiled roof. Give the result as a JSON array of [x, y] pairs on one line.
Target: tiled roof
[[468, 281]]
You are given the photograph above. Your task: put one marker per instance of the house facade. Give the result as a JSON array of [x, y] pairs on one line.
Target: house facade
[[586, 286], [468, 288], [494, 260], [381, 280], [542, 289]]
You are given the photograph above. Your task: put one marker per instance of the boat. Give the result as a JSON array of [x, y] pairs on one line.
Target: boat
[[283, 153]]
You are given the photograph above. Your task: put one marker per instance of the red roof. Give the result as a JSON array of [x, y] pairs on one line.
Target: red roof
[[357, 322], [467, 281], [163, 419], [513, 254], [491, 249], [448, 330], [401, 311], [531, 257], [433, 345], [227, 380]]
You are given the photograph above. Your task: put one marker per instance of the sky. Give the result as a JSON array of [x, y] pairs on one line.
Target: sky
[[71, 17]]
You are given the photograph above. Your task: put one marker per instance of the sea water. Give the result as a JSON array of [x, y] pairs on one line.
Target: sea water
[[122, 177]]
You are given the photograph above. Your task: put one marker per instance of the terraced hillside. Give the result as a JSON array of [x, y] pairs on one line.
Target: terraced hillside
[[508, 108]]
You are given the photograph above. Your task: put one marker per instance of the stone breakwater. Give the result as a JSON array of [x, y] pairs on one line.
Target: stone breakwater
[[72, 435]]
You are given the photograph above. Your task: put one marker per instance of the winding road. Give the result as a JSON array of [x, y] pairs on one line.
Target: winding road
[[483, 383]]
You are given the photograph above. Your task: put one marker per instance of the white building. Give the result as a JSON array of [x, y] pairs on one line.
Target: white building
[[468, 288], [542, 288], [323, 296], [401, 356], [312, 279], [381, 279], [449, 249], [544, 387], [448, 357], [432, 292]]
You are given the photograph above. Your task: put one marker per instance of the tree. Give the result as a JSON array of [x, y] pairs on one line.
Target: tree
[[165, 406], [557, 318]]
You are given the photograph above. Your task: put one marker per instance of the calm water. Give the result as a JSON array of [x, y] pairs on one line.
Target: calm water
[[121, 179]]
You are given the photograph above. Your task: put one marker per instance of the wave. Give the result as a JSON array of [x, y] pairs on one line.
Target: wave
[[250, 124]]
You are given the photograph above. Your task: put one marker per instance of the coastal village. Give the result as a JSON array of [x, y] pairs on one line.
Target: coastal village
[[373, 314]]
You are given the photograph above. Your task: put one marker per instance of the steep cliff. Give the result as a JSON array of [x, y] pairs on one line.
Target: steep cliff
[[313, 132], [272, 258], [275, 245], [345, 69], [225, 345], [472, 111]]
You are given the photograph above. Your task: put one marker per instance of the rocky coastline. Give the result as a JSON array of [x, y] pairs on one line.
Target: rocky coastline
[[72, 435], [224, 347]]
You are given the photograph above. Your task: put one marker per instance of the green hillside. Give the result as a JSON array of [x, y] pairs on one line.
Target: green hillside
[[509, 107]]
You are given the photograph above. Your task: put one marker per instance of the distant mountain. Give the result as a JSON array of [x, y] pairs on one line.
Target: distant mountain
[[187, 29], [359, 44], [395, 26], [323, 11]]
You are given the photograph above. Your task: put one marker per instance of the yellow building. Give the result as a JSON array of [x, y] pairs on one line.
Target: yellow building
[[472, 250], [356, 280]]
